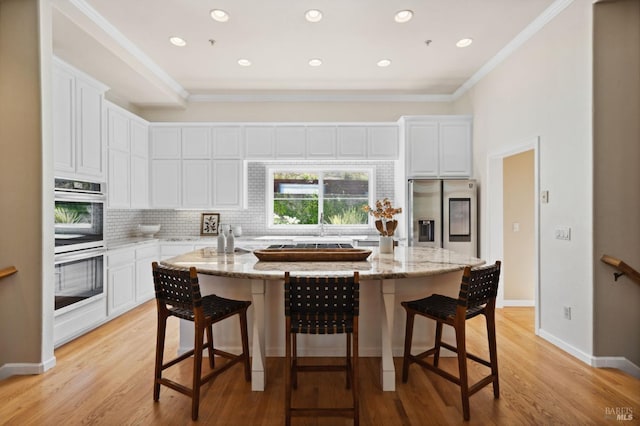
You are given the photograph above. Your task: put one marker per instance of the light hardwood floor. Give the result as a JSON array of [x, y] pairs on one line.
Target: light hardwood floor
[[105, 377]]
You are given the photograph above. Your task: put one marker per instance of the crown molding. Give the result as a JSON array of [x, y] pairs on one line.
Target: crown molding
[[317, 97], [530, 30], [115, 34]]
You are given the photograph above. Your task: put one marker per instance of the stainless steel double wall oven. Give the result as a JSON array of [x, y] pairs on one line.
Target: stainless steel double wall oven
[[79, 247]]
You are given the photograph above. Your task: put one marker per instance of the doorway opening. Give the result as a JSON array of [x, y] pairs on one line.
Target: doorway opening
[[513, 223]]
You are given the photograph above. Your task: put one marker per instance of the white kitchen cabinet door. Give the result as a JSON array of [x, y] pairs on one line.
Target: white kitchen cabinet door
[[196, 183], [227, 142], [165, 184], [121, 288], [90, 153], [64, 133], [259, 142], [196, 143], [119, 179], [144, 273], [139, 139], [139, 182], [382, 142], [165, 143], [422, 149], [118, 135], [352, 142], [228, 184], [321, 142], [455, 148], [290, 142]]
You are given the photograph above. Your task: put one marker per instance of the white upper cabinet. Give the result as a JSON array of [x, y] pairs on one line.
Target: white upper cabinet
[[438, 146], [196, 183], [139, 138], [352, 141], [165, 184], [165, 143], [139, 182], [259, 142], [228, 184], [79, 152], [382, 142], [321, 142], [455, 148], [290, 142], [196, 142], [227, 142], [128, 170], [119, 180], [422, 149]]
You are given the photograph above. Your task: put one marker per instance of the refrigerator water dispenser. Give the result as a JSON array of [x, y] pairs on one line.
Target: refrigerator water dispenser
[[426, 230]]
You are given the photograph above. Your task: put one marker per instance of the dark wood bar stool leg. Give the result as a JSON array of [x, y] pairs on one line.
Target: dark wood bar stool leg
[[408, 337]]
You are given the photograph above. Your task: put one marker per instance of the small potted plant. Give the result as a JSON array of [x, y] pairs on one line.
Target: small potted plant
[[385, 223]]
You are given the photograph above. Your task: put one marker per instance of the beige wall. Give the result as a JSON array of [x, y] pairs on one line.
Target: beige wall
[[543, 90], [617, 175], [295, 111], [518, 208], [22, 317]]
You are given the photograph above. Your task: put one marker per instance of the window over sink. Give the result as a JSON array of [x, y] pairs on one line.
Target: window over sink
[[318, 199]]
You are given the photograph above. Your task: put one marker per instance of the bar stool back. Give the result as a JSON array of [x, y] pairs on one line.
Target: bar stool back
[[178, 295], [321, 305]]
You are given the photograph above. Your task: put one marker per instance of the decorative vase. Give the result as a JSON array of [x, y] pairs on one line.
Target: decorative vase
[[386, 244]]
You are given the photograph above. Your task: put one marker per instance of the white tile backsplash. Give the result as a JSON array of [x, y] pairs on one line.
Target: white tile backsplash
[[122, 223]]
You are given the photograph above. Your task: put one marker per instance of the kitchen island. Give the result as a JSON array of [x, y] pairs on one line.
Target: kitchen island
[[385, 280]]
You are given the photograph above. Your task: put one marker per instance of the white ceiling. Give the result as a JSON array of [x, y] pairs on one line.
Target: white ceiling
[[124, 44]]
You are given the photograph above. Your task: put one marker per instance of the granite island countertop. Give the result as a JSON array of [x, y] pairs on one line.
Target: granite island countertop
[[405, 262]]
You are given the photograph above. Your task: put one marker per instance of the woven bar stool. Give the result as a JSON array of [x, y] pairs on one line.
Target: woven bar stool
[[478, 292], [178, 295], [321, 305]]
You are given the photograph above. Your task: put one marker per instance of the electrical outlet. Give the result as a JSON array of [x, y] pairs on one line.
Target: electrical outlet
[[567, 312]]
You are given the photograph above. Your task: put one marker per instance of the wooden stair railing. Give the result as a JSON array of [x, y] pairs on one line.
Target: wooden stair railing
[[7, 271], [622, 267]]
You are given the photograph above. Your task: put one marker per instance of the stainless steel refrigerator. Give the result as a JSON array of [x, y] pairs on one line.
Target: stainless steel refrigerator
[[444, 213]]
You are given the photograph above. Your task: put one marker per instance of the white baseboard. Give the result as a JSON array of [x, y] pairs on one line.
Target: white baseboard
[[619, 362], [518, 303], [572, 350], [24, 369]]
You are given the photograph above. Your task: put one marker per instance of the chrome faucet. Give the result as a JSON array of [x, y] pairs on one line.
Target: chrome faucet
[[322, 224]]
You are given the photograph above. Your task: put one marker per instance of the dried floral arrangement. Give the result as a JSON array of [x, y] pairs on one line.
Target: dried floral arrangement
[[384, 213]]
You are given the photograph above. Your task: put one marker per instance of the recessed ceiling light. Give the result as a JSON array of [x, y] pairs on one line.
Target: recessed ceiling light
[[315, 62], [177, 41], [464, 42], [384, 63], [313, 15], [219, 15], [244, 62], [403, 16]]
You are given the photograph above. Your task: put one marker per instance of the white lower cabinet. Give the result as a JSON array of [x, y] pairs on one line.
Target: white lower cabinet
[[145, 256], [129, 277], [121, 277]]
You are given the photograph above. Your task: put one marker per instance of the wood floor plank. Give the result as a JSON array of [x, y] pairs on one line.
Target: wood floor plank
[[106, 378]]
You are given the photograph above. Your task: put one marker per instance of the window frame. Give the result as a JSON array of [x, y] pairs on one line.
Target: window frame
[[320, 171]]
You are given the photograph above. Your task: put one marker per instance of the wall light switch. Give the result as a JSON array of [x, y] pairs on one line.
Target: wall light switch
[[515, 226], [544, 197]]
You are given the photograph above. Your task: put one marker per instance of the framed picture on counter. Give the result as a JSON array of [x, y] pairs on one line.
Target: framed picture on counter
[[209, 223]]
